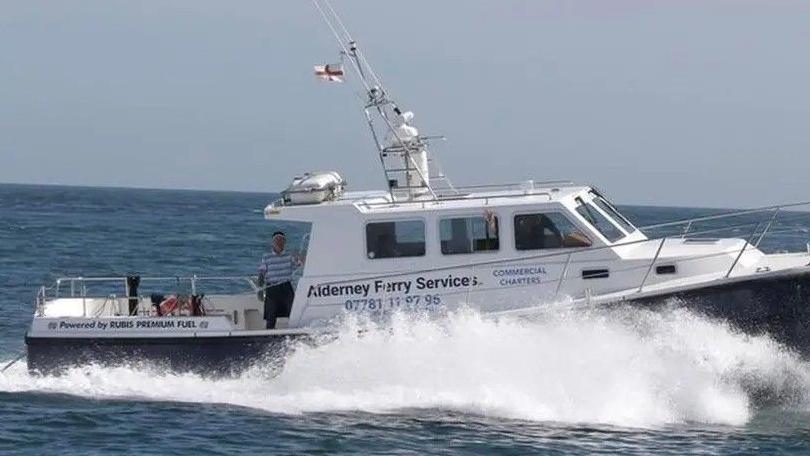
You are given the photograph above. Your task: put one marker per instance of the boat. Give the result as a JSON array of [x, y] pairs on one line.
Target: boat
[[423, 245]]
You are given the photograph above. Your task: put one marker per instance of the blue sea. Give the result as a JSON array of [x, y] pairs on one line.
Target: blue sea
[[596, 382]]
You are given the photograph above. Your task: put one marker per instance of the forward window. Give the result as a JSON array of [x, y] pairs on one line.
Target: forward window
[[611, 211], [602, 224], [550, 230]]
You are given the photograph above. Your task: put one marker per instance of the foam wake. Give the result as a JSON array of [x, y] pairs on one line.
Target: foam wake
[[623, 367]]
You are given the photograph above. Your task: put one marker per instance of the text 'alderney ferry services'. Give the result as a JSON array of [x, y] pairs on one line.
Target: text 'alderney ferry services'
[[424, 245]]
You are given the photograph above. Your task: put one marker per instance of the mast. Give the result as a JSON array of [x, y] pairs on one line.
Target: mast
[[404, 156]]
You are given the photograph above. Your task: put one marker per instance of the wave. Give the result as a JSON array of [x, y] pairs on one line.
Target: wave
[[621, 367]]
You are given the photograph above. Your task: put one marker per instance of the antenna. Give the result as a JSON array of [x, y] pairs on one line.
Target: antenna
[[403, 151]]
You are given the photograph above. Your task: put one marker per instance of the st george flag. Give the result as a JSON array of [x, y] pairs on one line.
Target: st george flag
[[332, 72]]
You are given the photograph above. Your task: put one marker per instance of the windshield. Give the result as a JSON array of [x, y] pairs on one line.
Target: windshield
[[602, 224], [608, 209]]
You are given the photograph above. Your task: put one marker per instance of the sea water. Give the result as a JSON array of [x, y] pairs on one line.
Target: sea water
[[566, 381]]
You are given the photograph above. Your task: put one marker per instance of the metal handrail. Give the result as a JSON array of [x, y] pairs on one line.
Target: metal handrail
[[155, 278], [442, 199], [563, 275], [83, 281], [742, 250], [767, 227], [725, 215], [652, 263], [512, 185]]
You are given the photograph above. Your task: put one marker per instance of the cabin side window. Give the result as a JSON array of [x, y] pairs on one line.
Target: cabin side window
[[550, 230], [402, 238], [602, 224], [469, 234]]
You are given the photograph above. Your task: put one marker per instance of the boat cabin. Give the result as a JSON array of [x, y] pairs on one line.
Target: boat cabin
[[368, 231], [495, 248]]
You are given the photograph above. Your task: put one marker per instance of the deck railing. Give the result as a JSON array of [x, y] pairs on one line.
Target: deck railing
[[77, 287], [754, 232]]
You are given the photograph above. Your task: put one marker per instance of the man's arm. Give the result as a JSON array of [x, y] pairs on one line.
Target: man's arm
[[297, 260]]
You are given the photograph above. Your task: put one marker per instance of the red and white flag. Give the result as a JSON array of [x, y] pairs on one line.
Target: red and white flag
[[333, 72]]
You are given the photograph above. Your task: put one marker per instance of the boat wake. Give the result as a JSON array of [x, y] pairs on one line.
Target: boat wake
[[622, 367]]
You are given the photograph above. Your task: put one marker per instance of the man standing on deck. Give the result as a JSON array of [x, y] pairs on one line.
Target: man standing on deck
[[275, 277]]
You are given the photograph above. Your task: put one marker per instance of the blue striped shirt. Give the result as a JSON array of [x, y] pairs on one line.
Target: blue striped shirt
[[276, 268]]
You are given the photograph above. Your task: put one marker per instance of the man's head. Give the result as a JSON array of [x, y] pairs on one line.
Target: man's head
[[279, 241]]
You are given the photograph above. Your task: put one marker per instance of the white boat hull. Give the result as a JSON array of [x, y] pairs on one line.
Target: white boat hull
[[777, 304]]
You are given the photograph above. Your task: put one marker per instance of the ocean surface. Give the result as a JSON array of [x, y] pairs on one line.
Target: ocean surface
[[604, 381]]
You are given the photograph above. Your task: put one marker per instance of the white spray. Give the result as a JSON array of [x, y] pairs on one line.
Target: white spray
[[621, 367]]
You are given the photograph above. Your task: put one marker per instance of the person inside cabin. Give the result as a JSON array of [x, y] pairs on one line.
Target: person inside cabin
[[538, 232], [526, 233], [275, 278], [385, 246]]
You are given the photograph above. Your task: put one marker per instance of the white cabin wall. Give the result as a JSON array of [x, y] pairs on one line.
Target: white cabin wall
[[334, 244]]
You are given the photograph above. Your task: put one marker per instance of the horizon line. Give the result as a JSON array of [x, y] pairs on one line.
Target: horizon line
[[124, 187], [182, 189]]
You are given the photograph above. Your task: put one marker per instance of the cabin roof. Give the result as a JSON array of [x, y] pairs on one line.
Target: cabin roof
[[370, 202]]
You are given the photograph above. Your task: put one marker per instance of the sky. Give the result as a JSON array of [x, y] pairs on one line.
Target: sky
[[676, 103]]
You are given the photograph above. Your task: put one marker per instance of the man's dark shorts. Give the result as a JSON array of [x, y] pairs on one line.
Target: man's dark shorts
[[278, 301]]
